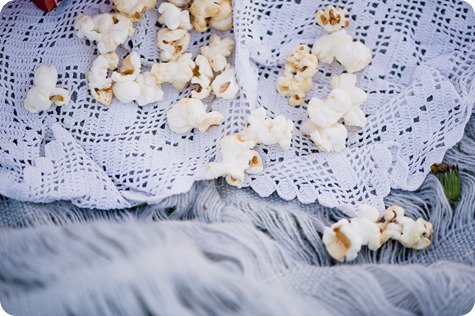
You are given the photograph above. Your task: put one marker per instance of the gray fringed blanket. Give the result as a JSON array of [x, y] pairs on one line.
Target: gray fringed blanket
[[223, 251]]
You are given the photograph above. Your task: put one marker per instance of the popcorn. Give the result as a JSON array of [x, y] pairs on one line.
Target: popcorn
[[44, 91], [108, 30], [325, 113], [86, 28], [173, 43], [341, 241], [332, 19], [203, 74], [217, 51], [354, 56], [201, 11], [325, 47], [99, 83], [410, 233], [344, 239], [224, 20], [238, 159], [179, 3], [173, 17], [134, 9], [150, 91], [347, 82], [301, 62], [126, 91], [225, 85], [130, 68], [268, 132], [294, 87], [188, 114], [299, 69], [328, 139], [178, 72]]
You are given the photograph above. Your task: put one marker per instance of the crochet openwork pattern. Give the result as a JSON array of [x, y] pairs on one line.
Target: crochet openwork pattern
[[420, 86]]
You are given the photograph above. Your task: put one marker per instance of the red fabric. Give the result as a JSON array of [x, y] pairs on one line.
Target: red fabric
[[46, 5]]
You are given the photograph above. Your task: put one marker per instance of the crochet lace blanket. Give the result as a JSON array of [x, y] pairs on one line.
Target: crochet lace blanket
[[420, 87]]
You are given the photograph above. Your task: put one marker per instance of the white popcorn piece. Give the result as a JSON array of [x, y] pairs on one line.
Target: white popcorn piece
[[347, 82], [174, 17], [203, 74], [225, 85], [178, 72], [354, 56], [36, 101], [117, 34], [301, 62], [201, 11], [299, 69], [410, 233], [327, 139], [268, 132], [179, 3], [224, 20], [344, 239], [173, 43], [294, 87], [188, 114], [44, 91], [393, 213], [150, 91], [325, 46], [99, 82], [217, 51], [367, 222], [325, 113], [238, 159], [108, 30], [86, 28], [341, 241], [130, 68], [126, 91], [134, 9], [98, 74], [332, 19]]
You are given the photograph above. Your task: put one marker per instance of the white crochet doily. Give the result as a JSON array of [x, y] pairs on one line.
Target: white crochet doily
[[420, 97]]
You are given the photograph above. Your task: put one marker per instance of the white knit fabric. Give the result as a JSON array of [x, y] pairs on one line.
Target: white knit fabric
[[420, 87]]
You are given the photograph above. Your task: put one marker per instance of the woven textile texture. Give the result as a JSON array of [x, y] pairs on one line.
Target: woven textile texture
[[222, 251], [420, 87]]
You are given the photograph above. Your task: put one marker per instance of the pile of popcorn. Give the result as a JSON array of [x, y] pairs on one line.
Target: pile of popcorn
[[344, 239], [238, 155], [345, 100], [177, 67]]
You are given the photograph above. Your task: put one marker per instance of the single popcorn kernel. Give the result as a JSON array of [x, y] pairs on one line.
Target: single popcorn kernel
[[225, 85], [268, 132], [45, 92], [173, 43], [344, 239], [332, 19], [238, 160], [188, 114], [178, 72], [134, 9]]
